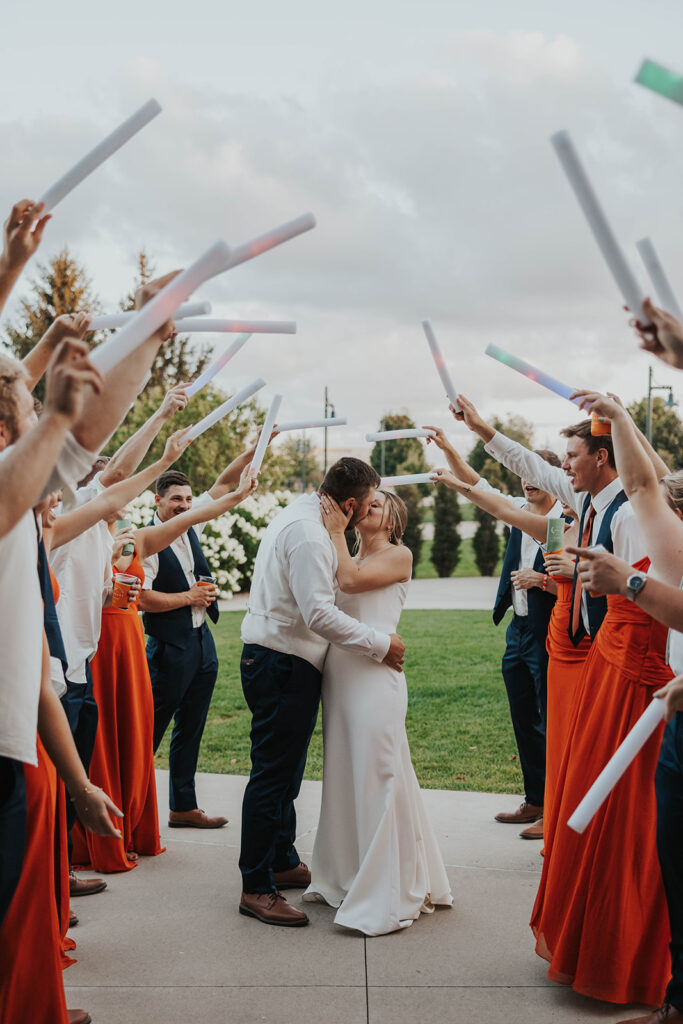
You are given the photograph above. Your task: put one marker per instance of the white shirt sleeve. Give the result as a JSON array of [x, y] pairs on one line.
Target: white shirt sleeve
[[311, 568], [484, 485], [73, 463], [532, 467], [627, 540], [151, 568]]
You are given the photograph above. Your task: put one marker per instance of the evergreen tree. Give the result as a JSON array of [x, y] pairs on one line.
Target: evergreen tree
[[446, 544], [667, 430], [402, 456], [485, 543], [297, 460], [412, 538]]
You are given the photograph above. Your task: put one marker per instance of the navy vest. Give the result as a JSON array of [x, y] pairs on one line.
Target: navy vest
[[172, 626], [540, 602], [52, 628], [597, 606]]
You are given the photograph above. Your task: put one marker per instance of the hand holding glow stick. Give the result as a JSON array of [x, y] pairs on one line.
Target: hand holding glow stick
[[665, 292], [630, 747], [92, 160], [111, 321], [331, 421], [227, 407], [527, 370], [264, 436], [161, 308], [397, 435], [207, 375], [597, 221], [193, 325], [409, 478], [441, 367]]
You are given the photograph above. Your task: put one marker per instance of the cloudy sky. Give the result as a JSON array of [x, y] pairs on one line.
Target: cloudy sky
[[417, 134]]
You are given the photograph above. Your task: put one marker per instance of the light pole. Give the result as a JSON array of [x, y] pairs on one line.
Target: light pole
[[669, 402], [304, 446], [329, 411]]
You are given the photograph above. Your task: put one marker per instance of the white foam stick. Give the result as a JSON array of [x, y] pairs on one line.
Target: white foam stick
[[112, 321], [331, 421], [665, 292], [440, 362], [410, 478], [397, 435], [227, 407], [283, 233], [614, 255], [159, 309], [194, 325], [207, 375], [617, 765], [264, 436], [92, 160]]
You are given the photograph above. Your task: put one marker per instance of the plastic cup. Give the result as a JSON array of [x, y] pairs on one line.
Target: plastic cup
[[599, 426], [206, 581], [123, 581], [125, 524]]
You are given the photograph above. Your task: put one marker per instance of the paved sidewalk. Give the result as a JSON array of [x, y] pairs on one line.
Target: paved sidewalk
[[165, 945]]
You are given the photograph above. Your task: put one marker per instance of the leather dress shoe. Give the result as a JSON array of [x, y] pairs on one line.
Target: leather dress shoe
[[534, 831], [664, 1014], [524, 815], [271, 908], [79, 1017], [85, 886], [73, 920], [296, 878], [194, 819]]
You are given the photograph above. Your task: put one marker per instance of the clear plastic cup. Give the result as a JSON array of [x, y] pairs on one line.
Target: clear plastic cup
[[123, 581]]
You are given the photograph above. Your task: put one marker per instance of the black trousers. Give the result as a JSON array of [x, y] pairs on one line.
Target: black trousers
[[283, 695], [669, 790], [80, 707], [183, 679], [12, 829], [524, 668]]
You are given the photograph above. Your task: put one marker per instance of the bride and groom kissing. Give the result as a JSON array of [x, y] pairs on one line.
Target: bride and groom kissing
[[320, 621]]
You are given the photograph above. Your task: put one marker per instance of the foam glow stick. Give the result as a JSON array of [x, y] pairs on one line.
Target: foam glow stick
[[331, 421], [92, 160], [264, 436], [438, 358], [659, 79], [555, 536], [276, 236], [164, 304], [193, 325], [527, 370], [665, 292], [218, 364], [410, 478], [617, 765], [227, 407], [111, 321], [397, 435], [597, 221]]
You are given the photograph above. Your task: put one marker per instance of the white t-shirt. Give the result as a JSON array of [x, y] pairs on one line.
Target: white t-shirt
[[21, 616]]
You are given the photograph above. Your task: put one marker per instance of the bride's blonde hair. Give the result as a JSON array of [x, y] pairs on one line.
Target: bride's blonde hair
[[397, 513]]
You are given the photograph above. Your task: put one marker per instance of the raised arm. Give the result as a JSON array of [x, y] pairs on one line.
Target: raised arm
[[459, 467], [37, 360], [497, 505], [391, 565], [230, 476], [23, 232], [131, 453], [665, 338]]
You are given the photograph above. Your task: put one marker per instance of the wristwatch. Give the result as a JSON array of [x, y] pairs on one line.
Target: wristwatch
[[634, 585]]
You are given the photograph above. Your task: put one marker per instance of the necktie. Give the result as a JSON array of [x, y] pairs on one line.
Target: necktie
[[576, 603]]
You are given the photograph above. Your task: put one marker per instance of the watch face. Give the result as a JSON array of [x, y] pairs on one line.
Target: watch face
[[635, 583]]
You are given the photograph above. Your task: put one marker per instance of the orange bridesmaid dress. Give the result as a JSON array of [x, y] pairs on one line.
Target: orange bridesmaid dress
[[123, 758], [565, 665], [31, 986], [600, 916]]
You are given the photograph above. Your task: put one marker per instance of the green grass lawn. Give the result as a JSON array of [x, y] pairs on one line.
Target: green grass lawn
[[466, 565], [458, 721]]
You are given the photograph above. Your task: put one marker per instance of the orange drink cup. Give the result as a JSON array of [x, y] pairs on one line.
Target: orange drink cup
[[599, 426], [206, 581], [123, 581]]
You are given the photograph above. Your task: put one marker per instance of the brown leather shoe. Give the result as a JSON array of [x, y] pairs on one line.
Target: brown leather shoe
[[524, 815], [664, 1014], [79, 1017], [85, 886], [271, 908], [296, 878], [194, 819], [73, 920], [534, 831]]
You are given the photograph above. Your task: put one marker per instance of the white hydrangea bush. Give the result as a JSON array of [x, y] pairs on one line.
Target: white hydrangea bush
[[230, 542]]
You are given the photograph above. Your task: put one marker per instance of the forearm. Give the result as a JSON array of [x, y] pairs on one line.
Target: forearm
[[26, 468], [659, 465], [37, 360], [126, 460], [347, 570], [662, 601], [634, 465], [9, 275], [230, 476], [527, 464], [55, 734], [508, 512], [460, 467], [156, 601]]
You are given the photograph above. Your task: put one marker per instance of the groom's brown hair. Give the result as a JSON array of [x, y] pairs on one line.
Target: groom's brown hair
[[349, 478]]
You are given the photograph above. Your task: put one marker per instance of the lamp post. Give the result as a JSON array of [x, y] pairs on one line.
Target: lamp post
[[670, 403], [329, 411], [303, 446]]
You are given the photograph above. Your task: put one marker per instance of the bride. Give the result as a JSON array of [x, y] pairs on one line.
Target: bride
[[375, 856]]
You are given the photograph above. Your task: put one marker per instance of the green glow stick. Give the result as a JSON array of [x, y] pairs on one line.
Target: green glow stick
[[666, 83], [555, 538]]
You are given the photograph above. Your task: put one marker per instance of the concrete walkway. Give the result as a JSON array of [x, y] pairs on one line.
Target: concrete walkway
[[165, 945]]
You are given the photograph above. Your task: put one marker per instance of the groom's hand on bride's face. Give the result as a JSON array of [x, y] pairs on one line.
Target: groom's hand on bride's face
[[394, 656]]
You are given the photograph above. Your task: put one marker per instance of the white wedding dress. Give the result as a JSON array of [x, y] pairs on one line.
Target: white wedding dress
[[375, 855]]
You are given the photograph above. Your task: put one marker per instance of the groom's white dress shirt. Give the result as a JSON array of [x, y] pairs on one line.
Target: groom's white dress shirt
[[291, 603]]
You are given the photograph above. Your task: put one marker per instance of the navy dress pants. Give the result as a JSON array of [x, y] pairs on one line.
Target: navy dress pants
[[669, 790], [283, 695], [524, 667], [12, 829], [183, 679], [80, 707]]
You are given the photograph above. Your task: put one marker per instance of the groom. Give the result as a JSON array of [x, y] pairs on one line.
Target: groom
[[290, 622]]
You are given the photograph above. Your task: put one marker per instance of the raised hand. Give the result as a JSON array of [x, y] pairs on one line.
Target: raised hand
[[335, 520], [146, 293], [69, 373], [23, 232], [174, 401], [175, 446], [69, 325], [471, 418], [444, 476], [246, 486], [440, 439], [665, 338], [608, 408]]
